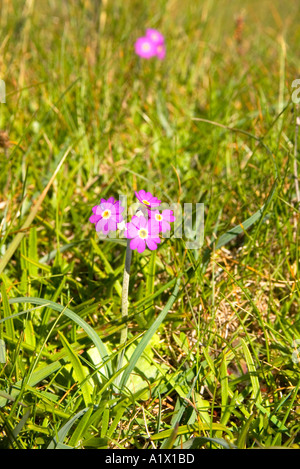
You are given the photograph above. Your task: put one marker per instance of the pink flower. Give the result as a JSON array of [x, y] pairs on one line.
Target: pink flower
[[107, 215], [145, 48], [142, 233], [161, 51], [146, 198], [155, 36], [163, 219], [150, 45]]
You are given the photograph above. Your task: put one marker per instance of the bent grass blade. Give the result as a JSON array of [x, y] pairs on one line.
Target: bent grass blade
[[18, 238]]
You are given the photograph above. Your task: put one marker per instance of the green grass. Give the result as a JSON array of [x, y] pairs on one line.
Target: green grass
[[211, 356]]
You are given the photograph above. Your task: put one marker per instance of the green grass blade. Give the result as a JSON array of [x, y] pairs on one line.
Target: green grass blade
[[239, 229], [74, 317], [148, 335], [64, 430], [189, 429], [198, 441], [2, 351], [18, 238], [256, 393], [32, 253], [80, 374], [82, 426], [119, 413], [7, 316], [150, 281], [224, 384], [108, 268], [242, 439], [105, 423], [36, 377]]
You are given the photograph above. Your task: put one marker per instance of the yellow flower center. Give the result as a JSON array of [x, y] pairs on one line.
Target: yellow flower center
[[146, 202], [143, 234], [146, 47], [106, 214], [158, 217]]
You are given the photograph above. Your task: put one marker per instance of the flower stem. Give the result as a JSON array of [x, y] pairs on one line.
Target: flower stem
[[297, 123], [125, 289]]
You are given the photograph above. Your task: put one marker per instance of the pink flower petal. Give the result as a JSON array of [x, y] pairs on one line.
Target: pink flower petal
[[141, 245], [161, 51], [143, 222], [165, 226], [131, 231], [100, 225], [134, 243], [168, 215], [151, 244], [95, 218], [111, 225], [153, 226], [152, 201], [156, 239], [136, 221]]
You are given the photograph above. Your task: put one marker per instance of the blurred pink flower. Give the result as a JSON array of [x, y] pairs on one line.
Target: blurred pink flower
[[161, 51], [150, 45], [145, 48], [155, 36]]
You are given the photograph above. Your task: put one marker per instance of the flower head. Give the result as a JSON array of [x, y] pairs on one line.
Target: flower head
[[161, 51], [107, 215], [145, 48], [163, 219], [142, 233], [150, 45], [147, 199], [155, 36]]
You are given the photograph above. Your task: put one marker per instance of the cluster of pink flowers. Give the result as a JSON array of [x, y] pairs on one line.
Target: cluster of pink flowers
[[151, 45], [144, 228]]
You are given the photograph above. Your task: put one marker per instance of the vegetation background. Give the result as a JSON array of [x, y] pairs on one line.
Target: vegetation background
[[212, 361]]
